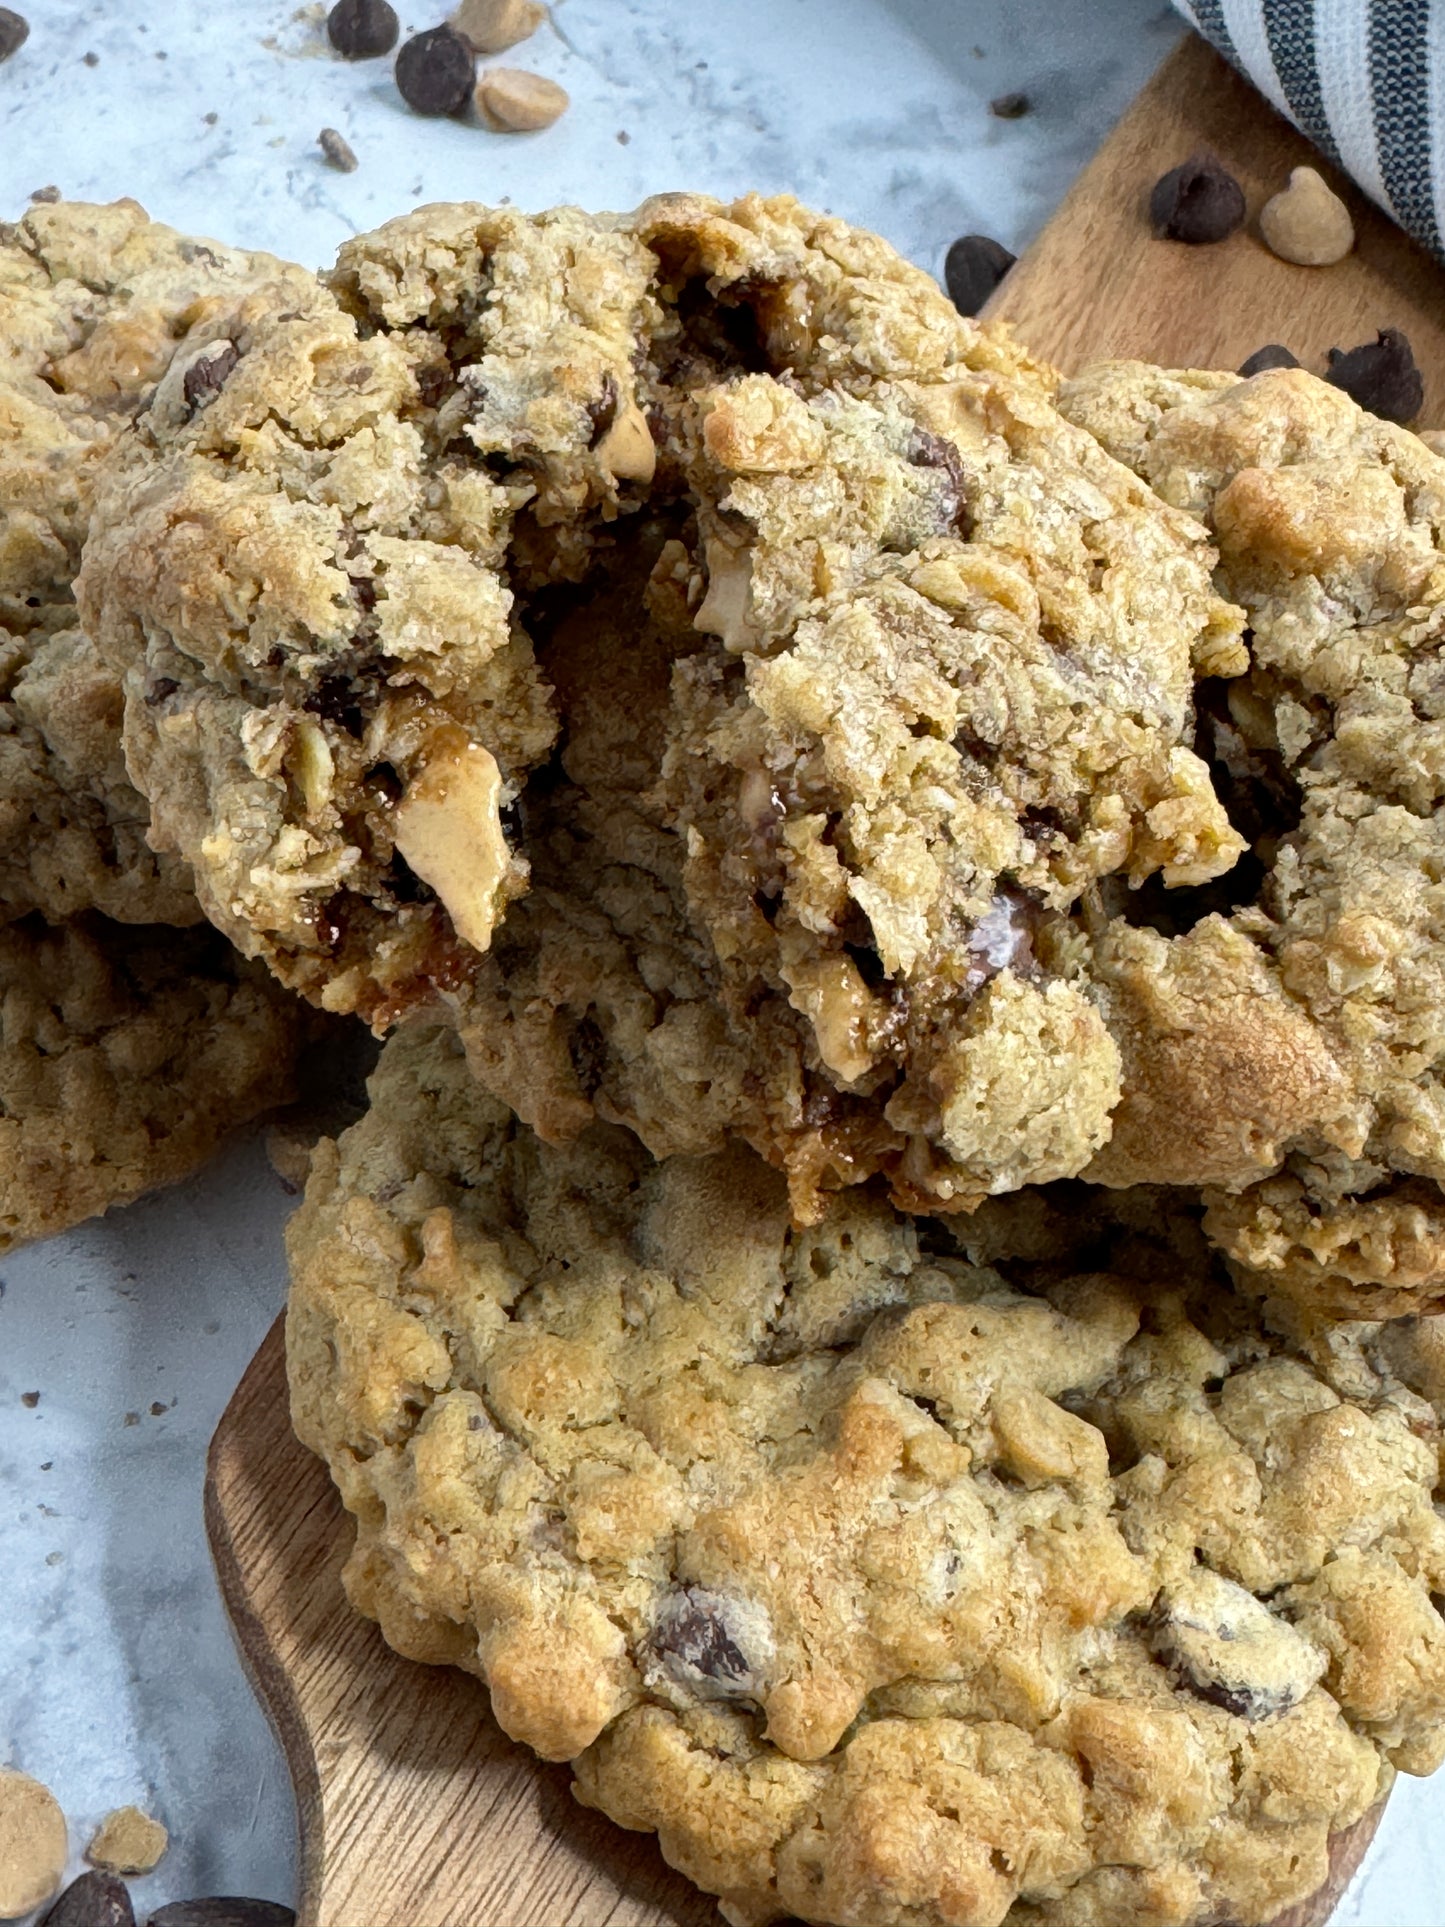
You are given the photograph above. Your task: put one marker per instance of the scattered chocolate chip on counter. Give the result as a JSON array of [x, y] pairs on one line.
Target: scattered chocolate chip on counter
[[339, 152], [1380, 375], [33, 1844], [30, 1400], [128, 1841], [362, 29], [435, 72], [972, 269], [1197, 202], [491, 26], [1273, 355], [1307, 222], [95, 1900], [513, 101], [14, 32], [48, 194], [228, 1911], [1009, 106], [91, 60]]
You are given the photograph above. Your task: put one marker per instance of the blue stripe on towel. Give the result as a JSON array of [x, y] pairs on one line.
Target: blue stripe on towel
[[1400, 89], [1212, 24], [1289, 27]]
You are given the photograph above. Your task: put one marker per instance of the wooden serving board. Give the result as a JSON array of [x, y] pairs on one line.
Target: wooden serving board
[[415, 1811]]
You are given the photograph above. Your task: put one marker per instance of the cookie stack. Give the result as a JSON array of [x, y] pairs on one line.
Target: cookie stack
[[876, 1302]]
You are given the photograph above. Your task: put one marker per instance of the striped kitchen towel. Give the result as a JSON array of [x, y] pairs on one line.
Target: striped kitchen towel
[[1364, 79]]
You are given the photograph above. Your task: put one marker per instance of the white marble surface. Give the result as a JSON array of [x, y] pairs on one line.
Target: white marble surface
[[117, 1677]]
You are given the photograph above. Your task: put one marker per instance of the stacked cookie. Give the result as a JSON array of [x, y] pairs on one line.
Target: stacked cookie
[[132, 1037], [905, 893]]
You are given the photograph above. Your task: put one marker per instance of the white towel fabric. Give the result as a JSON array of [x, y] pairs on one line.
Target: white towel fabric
[[1363, 79]]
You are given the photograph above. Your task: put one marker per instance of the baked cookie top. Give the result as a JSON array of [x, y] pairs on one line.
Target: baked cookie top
[[127, 1053], [884, 1582], [927, 654], [94, 304], [1304, 1021]]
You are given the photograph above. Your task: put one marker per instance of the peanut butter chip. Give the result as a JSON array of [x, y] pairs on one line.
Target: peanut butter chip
[[490, 26], [512, 101], [449, 829], [1307, 222], [127, 1841], [32, 1844]]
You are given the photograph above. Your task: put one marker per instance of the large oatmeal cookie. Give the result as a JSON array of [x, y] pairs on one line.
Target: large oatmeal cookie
[[885, 1585], [926, 659], [1302, 1017], [127, 1053], [94, 304]]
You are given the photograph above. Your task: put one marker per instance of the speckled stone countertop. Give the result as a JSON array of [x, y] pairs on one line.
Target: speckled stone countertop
[[118, 1680]]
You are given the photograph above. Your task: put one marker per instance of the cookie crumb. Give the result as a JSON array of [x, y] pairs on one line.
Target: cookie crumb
[[435, 71], [91, 60], [30, 1400], [513, 101], [210, 119], [1307, 222], [362, 29], [127, 1841], [46, 194], [623, 137], [288, 1151], [14, 32], [491, 26], [338, 150], [1010, 106], [32, 1844]]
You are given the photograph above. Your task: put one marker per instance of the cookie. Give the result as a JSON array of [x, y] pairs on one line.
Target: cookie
[[882, 1583], [923, 657], [127, 1053], [94, 303], [1327, 522]]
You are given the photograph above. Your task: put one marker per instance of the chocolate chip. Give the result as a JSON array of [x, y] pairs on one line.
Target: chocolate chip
[[690, 1630], [1228, 1647], [47, 196], [1199, 201], [714, 1645], [927, 450], [603, 412], [587, 1047], [206, 378], [160, 691], [973, 269], [223, 1912], [1381, 376], [1274, 355], [1010, 106], [362, 29], [14, 32], [435, 71], [30, 1400], [95, 1900]]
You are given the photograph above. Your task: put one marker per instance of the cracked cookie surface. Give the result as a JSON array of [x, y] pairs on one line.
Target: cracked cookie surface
[[882, 1582], [94, 304], [924, 661], [127, 1053]]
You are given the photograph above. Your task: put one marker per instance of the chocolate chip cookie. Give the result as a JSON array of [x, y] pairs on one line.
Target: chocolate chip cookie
[[1294, 1013], [127, 1053], [94, 304], [917, 662], [881, 1580]]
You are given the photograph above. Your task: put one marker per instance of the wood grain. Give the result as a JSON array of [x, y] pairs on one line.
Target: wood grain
[[1097, 283], [415, 1810]]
